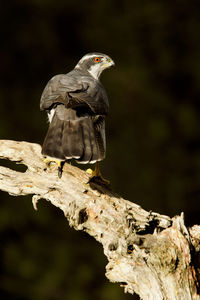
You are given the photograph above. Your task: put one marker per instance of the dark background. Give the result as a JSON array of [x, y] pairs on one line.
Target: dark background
[[153, 145]]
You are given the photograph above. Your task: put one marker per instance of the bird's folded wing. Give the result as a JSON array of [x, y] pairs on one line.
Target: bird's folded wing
[[73, 93], [92, 95], [57, 89]]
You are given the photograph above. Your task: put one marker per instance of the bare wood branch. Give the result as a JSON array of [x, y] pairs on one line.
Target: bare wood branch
[[150, 254]]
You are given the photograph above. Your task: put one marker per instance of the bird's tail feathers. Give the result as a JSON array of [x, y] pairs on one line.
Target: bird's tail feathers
[[74, 138]]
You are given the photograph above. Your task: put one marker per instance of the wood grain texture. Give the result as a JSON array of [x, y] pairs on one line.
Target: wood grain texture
[[150, 254]]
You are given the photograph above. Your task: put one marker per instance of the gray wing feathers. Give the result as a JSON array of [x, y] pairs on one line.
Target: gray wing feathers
[[57, 89], [72, 91], [94, 96]]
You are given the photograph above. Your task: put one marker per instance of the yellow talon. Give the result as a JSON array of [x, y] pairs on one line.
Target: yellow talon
[[60, 163], [49, 160], [89, 171], [96, 175]]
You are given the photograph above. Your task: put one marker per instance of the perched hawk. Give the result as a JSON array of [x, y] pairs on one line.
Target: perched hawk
[[77, 105]]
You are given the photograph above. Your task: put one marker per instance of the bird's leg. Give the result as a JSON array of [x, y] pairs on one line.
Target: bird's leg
[[97, 172], [60, 168], [96, 175], [59, 163]]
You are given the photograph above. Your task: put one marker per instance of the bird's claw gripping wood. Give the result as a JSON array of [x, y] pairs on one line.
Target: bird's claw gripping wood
[[59, 163], [97, 176]]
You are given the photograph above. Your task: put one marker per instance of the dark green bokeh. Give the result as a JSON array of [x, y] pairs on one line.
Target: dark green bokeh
[[153, 146]]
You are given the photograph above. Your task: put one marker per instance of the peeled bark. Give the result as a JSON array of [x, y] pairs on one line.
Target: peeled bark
[[150, 254]]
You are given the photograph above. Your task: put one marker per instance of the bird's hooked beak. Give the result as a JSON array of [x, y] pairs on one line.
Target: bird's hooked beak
[[108, 64], [111, 62]]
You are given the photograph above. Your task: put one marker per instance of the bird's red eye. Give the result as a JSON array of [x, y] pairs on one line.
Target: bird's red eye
[[97, 59]]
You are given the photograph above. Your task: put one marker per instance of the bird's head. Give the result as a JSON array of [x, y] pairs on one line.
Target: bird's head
[[95, 63]]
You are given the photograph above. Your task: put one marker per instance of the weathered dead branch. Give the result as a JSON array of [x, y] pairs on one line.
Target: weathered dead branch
[[150, 254]]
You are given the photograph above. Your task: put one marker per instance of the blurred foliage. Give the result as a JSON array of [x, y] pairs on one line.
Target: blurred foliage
[[153, 145]]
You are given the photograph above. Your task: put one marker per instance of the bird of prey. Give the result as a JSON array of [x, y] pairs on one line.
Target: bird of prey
[[77, 104]]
